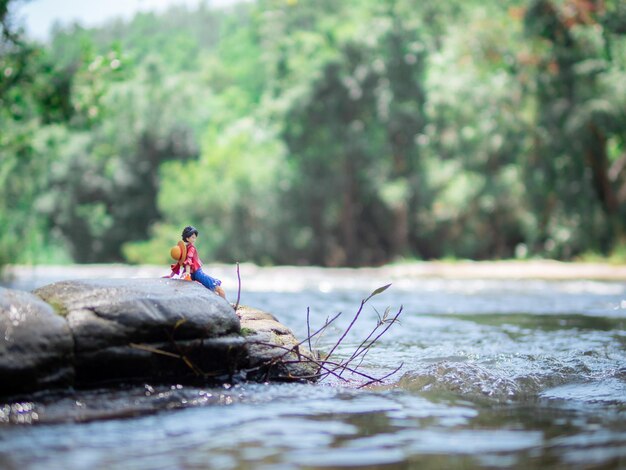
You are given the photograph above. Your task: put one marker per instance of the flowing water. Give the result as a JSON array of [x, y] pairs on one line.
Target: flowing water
[[495, 374]]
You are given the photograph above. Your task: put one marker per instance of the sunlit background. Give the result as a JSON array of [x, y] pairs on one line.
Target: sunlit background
[[312, 132]]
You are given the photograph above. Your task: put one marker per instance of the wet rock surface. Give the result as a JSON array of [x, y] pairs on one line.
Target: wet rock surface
[[146, 328], [36, 345], [95, 332], [110, 312]]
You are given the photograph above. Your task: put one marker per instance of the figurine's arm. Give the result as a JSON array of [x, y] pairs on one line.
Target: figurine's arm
[[190, 254]]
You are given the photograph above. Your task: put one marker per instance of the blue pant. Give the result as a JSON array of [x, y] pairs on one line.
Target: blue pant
[[206, 280]]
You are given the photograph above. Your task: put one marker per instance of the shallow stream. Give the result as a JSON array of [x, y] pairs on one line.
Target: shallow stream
[[495, 374]]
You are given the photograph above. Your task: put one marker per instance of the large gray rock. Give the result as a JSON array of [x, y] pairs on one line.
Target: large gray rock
[[36, 345], [147, 328], [109, 331]]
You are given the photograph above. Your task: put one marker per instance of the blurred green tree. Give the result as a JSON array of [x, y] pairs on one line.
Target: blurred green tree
[[333, 133], [31, 95], [576, 174]]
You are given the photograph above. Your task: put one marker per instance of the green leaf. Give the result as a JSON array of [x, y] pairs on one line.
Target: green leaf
[[380, 290]]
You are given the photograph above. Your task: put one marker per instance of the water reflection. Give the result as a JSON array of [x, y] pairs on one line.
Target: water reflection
[[312, 426]]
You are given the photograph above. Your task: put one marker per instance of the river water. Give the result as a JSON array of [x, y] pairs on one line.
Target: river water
[[501, 373]]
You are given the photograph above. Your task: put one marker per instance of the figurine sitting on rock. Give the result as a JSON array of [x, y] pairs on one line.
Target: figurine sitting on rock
[[186, 256]]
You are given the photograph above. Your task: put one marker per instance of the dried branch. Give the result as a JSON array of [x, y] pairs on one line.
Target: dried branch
[[320, 330], [357, 351], [354, 319], [323, 364], [328, 367], [308, 327], [300, 360], [356, 316], [238, 287]]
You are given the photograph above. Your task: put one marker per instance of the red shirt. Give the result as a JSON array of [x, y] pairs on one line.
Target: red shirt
[[192, 259]]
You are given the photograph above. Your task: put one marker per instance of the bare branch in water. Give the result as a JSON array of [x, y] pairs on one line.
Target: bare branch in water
[[354, 319], [301, 359], [364, 348], [324, 364], [328, 367]]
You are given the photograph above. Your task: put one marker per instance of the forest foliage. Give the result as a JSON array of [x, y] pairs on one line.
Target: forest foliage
[[318, 132]]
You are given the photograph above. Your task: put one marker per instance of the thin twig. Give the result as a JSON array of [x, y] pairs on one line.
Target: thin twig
[[326, 363], [354, 354], [317, 341], [196, 370], [184, 358], [308, 327], [288, 350], [356, 316], [363, 349], [238, 287], [144, 347], [327, 366], [389, 324], [383, 377], [316, 333], [306, 359], [322, 364]]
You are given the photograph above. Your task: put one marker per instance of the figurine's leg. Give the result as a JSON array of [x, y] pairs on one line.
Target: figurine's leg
[[209, 282]]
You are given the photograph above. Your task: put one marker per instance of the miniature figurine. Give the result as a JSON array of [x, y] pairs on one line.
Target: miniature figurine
[[186, 256]]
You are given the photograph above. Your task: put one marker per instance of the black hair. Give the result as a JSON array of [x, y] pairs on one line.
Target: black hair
[[189, 231]]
